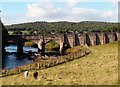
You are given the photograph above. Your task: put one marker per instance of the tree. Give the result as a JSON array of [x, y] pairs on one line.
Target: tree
[[61, 27], [4, 37]]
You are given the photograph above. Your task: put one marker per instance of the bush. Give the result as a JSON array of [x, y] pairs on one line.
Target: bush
[[29, 43], [52, 46], [74, 50]]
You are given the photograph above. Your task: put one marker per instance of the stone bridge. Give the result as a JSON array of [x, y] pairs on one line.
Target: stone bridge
[[70, 39]]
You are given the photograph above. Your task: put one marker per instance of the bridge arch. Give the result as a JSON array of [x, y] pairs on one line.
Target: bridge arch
[[107, 39], [52, 47], [59, 42], [18, 40], [97, 39], [35, 45]]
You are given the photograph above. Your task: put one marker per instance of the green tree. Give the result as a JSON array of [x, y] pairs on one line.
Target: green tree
[[4, 37]]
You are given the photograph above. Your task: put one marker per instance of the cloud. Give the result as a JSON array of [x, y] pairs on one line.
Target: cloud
[[72, 3], [45, 10], [39, 9], [112, 0], [14, 19], [58, 0], [91, 14], [48, 11]]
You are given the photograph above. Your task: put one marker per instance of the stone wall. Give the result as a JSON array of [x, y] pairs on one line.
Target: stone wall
[[71, 39]]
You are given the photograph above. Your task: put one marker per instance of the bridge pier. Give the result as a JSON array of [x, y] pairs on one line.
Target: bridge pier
[[118, 35], [91, 39], [20, 44], [82, 39], [41, 47], [70, 38], [61, 48], [20, 47], [3, 49], [115, 38]]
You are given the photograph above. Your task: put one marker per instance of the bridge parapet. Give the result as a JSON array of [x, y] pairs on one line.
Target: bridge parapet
[[54, 37]]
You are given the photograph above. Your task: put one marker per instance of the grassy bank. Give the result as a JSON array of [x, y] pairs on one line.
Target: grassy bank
[[49, 62], [99, 67]]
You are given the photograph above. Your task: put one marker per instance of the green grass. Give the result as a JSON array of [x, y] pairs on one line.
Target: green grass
[[52, 46], [29, 43], [25, 32], [100, 67], [10, 32], [74, 49]]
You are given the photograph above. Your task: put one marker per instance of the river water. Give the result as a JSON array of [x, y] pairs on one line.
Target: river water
[[11, 60]]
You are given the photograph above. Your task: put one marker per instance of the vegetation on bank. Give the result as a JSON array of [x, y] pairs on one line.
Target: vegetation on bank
[[52, 46], [48, 62], [29, 43], [37, 28], [48, 46], [100, 67], [73, 50]]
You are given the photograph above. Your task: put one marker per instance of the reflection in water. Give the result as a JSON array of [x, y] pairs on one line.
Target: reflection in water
[[11, 60]]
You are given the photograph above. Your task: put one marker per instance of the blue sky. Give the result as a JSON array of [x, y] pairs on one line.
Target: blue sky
[[71, 10]]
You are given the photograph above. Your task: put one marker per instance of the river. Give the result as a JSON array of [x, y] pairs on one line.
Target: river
[[11, 60]]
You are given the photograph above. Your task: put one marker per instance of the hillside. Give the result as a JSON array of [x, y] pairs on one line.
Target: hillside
[[97, 68], [63, 26]]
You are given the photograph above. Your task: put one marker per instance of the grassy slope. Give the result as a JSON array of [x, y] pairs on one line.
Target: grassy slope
[[99, 67]]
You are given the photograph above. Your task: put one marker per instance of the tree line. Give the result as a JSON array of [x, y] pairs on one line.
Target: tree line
[[62, 27]]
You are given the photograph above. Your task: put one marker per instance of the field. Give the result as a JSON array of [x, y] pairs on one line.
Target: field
[[100, 67]]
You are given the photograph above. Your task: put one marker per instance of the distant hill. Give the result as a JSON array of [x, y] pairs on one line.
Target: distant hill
[[64, 26]]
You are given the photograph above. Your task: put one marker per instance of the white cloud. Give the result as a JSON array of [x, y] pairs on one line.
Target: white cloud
[[39, 9], [47, 11], [44, 10], [13, 19], [72, 3], [58, 0], [91, 14], [112, 0]]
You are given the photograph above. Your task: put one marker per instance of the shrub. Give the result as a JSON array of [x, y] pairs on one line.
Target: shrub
[[52, 46], [29, 43], [74, 50]]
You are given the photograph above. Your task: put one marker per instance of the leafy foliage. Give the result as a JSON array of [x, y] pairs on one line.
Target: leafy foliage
[[29, 43], [64, 26], [52, 46], [4, 37], [74, 49]]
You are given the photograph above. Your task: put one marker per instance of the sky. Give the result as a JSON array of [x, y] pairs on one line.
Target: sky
[[22, 11]]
